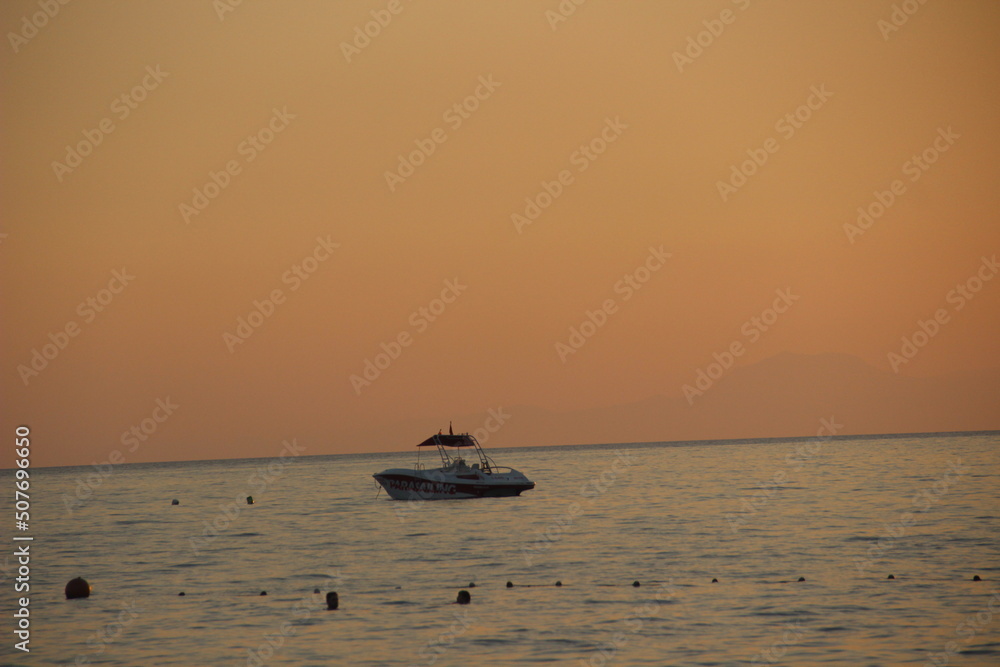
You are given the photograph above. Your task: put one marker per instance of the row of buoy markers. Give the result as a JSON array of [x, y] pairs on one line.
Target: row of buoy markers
[[78, 587], [471, 585], [332, 600], [177, 502]]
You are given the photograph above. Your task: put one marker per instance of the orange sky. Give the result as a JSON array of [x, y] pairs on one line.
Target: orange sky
[[279, 71]]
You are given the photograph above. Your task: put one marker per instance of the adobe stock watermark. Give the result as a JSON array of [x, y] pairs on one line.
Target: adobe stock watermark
[[293, 277], [302, 611], [792, 635], [257, 483], [249, 149], [633, 624], [495, 419], [562, 12], [898, 17], [973, 625], [696, 44], [921, 503], [34, 22], [958, 297], [752, 330], [121, 107], [786, 126], [581, 158], [88, 310], [103, 638], [795, 460], [454, 116], [589, 492], [914, 168], [627, 286], [273, 641], [223, 7], [420, 320], [438, 645], [364, 33], [130, 439]]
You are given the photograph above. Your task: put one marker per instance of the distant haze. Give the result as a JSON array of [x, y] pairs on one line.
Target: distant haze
[[635, 221]]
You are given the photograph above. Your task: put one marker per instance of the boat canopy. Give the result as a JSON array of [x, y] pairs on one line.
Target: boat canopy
[[461, 440], [443, 442]]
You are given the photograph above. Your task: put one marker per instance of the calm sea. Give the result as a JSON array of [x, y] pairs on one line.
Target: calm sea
[[842, 513]]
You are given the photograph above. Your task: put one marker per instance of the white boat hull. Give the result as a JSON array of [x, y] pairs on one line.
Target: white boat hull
[[409, 484]]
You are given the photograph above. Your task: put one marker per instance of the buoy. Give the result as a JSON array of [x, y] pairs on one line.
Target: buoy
[[175, 502], [464, 597], [635, 584], [315, 590], [890, 577], [558, 583], [181, 594], [714, 580], [976, 578], [263, 592], [802, 578], [77, 588], [510, 584], [332, 600], [249, 500], [472, 584]]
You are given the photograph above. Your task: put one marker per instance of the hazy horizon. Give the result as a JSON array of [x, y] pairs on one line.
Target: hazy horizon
[[730, 441]]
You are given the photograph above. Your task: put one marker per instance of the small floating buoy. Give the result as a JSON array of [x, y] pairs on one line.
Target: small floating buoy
[[558, 583], [332, 600], [714, 580], [77, 588], [315, 590], [175, 502], [635, 584], [890, 577], [263, 592], [181, 594], [802, 578], [472, 584], [976, 578], [249, 500], [510, 584], [464, 597]]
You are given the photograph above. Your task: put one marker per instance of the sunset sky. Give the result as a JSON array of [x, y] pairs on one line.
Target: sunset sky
[[175, 163]]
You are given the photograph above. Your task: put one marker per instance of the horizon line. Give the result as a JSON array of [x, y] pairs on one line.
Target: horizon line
[[724, 441]]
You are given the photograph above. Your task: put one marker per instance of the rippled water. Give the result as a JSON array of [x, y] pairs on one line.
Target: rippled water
[[756, 516]]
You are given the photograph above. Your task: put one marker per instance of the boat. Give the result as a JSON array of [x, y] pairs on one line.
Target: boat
[[455, 478]]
